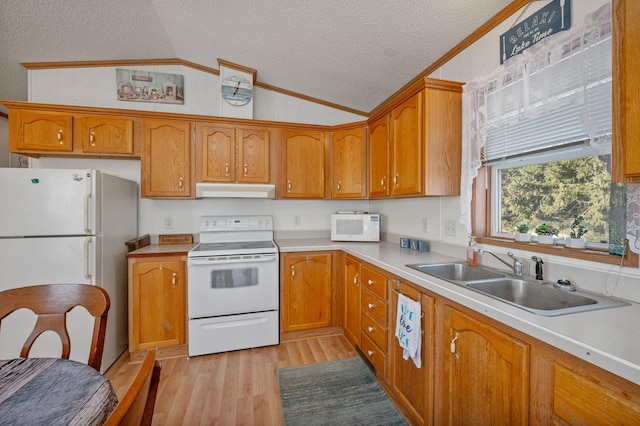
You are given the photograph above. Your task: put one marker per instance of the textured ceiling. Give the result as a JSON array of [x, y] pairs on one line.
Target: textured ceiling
[[354, 53]]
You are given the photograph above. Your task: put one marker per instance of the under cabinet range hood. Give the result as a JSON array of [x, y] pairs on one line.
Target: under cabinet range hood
[[235, 190]]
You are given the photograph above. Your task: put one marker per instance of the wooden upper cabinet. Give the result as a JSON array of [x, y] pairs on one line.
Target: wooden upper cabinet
[[379, 158], [349, 163], [40, 131], [104, 135], [253, 155], [218, 152], [484, 374], [626, 91], [305, 155], [407, 147], [220, 146], [166, 162], [443, 137]]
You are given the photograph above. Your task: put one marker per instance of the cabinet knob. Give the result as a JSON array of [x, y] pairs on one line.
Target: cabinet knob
[[60, 133], [246, 169], [92, 138], [371, 305], [370, 329], [370, 282], [370, 353], [226, 169]]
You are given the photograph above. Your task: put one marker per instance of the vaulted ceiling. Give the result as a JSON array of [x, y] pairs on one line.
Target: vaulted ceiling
[[354, 53]]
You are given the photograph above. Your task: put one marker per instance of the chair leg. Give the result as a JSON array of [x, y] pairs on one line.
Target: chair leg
[[147, 416]]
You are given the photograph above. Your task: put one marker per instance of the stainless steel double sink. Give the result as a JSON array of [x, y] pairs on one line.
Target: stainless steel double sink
[[539, 298]]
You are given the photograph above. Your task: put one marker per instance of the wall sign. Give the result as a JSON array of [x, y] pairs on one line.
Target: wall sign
[[145, 86], [553, 18]]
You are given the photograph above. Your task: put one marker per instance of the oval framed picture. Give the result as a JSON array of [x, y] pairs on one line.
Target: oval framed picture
[[237, 90]]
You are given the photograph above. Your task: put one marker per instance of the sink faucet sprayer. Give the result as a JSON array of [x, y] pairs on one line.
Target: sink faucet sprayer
[[517, 263], [538, 267]]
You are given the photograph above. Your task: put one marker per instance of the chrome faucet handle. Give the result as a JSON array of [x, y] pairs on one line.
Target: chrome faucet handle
[[517, 265]]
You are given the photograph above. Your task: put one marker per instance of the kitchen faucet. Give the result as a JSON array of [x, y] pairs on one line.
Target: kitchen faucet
[[517, 263]]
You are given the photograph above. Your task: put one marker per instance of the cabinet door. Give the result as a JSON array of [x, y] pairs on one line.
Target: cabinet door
[[157, 304], [305, 164], [626, 91], [407, 147], [413, 386], [352, 299], [166, 158], [40, 131], [307, 291], [485, 376], [253, 154], [218, 150], [379, 158], [349, 152], [104, 135]]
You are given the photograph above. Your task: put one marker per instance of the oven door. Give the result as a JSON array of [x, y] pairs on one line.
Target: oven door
[[234, 284]]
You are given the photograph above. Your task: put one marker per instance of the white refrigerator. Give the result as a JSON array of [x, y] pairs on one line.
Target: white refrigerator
[[66, 226]]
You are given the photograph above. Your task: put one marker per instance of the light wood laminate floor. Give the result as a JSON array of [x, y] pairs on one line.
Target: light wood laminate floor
[[232, 388]]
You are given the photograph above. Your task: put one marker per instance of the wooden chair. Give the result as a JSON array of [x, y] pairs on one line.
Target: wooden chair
[[51, 303], [137, 404]]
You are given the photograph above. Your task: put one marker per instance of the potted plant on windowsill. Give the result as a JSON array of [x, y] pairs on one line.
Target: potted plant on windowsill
[[546, 233], [578, 229], [522, 233]]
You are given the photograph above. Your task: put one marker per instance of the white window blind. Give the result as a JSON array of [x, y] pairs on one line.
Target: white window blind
[[554, 97]]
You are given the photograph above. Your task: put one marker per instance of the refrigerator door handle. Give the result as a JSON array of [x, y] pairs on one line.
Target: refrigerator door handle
[[88, 242], [87, 213]]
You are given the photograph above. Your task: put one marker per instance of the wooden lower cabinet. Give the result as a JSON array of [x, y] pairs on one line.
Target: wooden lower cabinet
[[306, 290], [352, 277], [157, 302], [413, 386], [374, 318], [483, 373]]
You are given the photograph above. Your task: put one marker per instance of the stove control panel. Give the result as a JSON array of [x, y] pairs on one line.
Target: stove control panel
[[235, 223]]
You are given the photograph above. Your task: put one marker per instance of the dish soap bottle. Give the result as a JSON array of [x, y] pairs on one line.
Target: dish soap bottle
[[472, 252]]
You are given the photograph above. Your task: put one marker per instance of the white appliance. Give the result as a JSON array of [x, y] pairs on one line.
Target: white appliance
[[66, 226], [233, 285], [352, 226]]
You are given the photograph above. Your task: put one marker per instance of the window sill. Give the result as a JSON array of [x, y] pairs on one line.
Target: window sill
[[592, 255]]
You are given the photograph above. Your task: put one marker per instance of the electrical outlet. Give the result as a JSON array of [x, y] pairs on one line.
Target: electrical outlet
[[451, 227], [168, 222], [425, 225], [296, 220]]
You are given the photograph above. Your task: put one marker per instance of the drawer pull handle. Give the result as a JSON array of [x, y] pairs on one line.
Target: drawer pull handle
[[180, 183], [382, 181], [355, 279], [371, 329], [371, 305], [92, 138], [60, 136], [173, 280], [339, 186], [370, 353], [246, 169], [226, 169], [293, 271], [289, 185]]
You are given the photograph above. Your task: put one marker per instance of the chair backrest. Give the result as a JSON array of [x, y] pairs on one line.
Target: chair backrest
[[51, 303], [137, 404]]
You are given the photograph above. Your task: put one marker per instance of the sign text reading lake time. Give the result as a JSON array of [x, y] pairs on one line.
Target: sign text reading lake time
[[553, 18]]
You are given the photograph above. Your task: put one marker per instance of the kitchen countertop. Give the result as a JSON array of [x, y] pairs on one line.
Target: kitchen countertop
[[607, 338], [161, 250]]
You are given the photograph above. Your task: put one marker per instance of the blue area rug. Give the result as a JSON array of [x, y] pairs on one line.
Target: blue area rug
[[341, 392]]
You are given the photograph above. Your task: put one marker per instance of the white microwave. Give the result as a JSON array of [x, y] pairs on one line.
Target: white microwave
[[355, 227]]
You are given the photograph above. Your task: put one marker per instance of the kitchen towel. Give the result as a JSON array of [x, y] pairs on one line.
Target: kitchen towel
[[408, 328]]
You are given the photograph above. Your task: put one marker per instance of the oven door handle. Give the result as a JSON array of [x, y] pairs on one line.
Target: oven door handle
[[219, 260]]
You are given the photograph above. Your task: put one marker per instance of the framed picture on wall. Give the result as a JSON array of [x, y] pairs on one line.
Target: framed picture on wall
[[147, 86]]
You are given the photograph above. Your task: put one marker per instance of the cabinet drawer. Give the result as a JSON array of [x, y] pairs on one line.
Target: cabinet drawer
[[375, 282], [374, 331], [374, 306], [377, 357]]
